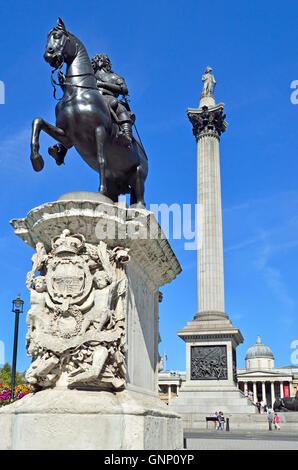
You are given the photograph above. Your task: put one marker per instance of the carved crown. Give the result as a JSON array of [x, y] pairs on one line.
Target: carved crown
[[67, 243]]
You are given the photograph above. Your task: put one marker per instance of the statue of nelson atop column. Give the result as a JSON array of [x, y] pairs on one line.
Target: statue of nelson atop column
[[208, 81]]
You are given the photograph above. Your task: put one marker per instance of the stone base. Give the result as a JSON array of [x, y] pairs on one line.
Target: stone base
[[241, 422], [211, 382], [207, 402], [237, 422], [63, 419]]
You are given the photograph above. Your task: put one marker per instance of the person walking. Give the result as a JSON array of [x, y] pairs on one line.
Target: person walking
[[221, 421], [215, 420], [270, 417], [276, 421]]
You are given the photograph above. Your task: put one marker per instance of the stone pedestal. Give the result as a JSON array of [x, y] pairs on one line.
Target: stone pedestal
[[93, 329], [63, 419], [211, 381]]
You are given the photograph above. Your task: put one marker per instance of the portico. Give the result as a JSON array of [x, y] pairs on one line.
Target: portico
[[261, 377], [266, 386]]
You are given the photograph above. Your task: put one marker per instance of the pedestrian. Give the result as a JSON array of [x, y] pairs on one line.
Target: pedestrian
[[221, 421], [258, 405], [276, 421], [215, 420], [270, 417], [265, 408]]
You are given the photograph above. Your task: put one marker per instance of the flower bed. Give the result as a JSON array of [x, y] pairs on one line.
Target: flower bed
[[19, 392]]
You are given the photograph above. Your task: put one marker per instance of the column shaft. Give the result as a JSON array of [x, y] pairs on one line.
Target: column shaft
[[255, 392], [263, 391], [169, 393], [291, 389], [210, 272], [272, 394]]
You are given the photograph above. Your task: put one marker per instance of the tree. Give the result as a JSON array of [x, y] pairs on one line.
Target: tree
[[5, 376]]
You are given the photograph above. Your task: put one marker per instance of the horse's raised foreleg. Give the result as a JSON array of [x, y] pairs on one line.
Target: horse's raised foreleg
[[100, 136], [58, 134]]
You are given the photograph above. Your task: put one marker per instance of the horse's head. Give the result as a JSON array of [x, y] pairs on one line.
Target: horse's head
[[61, 46]]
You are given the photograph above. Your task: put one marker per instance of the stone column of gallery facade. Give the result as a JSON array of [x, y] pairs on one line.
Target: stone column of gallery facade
[[269, 389], [211, 339]]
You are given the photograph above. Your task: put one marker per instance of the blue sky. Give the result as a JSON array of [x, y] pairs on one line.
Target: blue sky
[[162, 48]]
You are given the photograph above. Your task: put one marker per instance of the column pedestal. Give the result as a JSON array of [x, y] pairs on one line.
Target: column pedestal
[[211, 381]]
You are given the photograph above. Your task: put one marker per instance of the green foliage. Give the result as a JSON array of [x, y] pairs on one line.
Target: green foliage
[[5, 375]]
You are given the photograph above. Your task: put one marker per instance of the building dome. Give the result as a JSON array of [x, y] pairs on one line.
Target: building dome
[[259, 356], [259, 350]]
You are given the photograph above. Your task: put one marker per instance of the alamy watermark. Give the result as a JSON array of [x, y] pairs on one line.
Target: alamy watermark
[[2, 92], [294, 355], [294, 94], [176, 222]]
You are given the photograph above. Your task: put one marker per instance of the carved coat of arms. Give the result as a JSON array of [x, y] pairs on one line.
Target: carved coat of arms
[[76, 323]]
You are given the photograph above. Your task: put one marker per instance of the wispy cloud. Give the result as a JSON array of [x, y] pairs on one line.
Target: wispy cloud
[[273, 277], [244, 243], [245, 205], [270, 226], [14, 150]]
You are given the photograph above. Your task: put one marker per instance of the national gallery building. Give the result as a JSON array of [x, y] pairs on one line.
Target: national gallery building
[[260, 377]]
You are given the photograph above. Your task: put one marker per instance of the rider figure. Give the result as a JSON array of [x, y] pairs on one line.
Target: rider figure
[[111, 85]]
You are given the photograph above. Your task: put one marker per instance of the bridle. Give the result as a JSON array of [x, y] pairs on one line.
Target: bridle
[[62, 80], [62, 77]]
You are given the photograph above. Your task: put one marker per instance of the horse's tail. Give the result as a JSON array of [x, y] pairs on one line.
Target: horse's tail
[[140, 147]]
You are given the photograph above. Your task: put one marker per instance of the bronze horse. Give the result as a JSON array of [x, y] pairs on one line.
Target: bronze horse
[[84, 121]]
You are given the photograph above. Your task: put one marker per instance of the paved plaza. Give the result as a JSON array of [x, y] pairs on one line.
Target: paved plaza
[[223, 440]]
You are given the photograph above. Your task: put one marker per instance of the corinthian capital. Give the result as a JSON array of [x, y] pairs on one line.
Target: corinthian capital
[[207, 121]]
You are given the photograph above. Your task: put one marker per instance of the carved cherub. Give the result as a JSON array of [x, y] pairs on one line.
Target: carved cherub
[[100, 312], [38, 260], [37, 316]]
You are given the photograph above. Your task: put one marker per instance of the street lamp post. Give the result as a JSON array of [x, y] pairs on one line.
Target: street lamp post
[[17, 308]]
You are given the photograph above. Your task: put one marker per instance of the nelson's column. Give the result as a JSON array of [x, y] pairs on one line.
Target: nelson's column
[[211, 339]]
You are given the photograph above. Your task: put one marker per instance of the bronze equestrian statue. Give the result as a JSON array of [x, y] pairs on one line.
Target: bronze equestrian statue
[[84, 120]]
